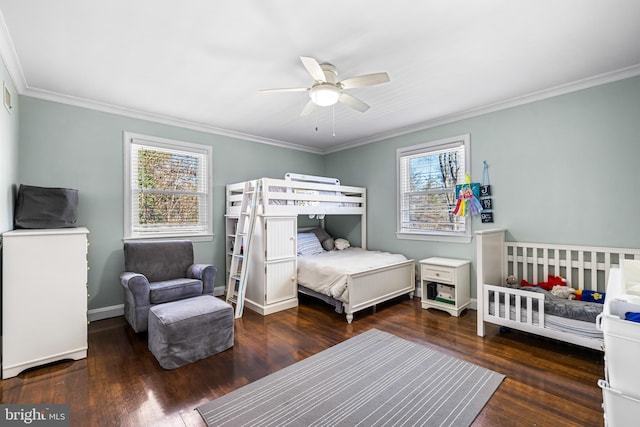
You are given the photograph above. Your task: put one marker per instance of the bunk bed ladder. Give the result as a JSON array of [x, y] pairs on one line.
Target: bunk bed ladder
[[238, 270]]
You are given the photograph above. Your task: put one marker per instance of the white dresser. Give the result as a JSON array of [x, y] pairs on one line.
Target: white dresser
[[44, 297]]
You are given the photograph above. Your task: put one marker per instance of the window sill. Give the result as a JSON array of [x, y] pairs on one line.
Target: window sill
[[192, 237], [434, 237]]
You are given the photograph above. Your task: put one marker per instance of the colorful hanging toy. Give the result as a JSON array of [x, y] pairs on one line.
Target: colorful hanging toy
[[467, 202]]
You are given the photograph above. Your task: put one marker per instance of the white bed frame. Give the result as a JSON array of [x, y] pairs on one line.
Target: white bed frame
[[584, 267], [317, 196]]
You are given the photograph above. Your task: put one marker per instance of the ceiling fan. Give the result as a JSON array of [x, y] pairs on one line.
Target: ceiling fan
[[327, 90]]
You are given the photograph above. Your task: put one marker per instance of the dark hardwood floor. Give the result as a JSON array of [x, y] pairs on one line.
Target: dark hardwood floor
[[121, 384]]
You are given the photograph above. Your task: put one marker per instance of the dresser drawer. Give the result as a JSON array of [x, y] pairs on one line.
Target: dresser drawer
[[438, 274]]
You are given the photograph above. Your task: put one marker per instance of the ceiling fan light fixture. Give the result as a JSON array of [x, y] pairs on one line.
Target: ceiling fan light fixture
[[324, 94]]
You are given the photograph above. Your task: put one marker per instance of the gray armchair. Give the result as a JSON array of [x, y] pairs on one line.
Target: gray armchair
[[159, 272]]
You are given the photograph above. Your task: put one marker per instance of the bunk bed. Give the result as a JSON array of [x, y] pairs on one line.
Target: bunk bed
[[533, 309], [273, 268]]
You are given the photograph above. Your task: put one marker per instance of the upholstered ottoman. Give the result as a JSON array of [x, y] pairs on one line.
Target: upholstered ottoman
[[184, 331]]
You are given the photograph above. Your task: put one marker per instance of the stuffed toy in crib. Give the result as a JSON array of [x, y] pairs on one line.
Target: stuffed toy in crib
[[590, 296], [557, 285], [549, 284], [563, 291]]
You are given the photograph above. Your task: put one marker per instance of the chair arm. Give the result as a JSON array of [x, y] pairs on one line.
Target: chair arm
[[138, 285], [206, 273]]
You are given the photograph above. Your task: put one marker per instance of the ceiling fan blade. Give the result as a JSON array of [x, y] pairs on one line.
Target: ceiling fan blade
[[291, 89], [364, 80], [353, 102], [308, 109], [313, 68]]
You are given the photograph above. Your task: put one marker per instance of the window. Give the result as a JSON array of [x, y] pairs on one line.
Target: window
[[427, 177], [167, 188]]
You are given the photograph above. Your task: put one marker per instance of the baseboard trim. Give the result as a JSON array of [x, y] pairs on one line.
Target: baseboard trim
[[105, 312], [118, 310]]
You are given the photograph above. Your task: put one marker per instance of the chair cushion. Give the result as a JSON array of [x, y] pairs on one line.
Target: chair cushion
[[172, 290], [161, 260]]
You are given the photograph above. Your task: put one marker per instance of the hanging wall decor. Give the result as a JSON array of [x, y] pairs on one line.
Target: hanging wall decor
[[485, 196], [467, 195]]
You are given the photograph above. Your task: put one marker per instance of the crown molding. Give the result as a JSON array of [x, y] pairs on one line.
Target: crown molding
[[610, 77], [158, 118], [589, 82]]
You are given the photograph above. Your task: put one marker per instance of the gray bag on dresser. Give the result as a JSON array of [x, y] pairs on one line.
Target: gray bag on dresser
[[43, 207]]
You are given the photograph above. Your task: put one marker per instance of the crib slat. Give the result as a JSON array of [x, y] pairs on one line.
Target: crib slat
[[545, 257], [594, 271], [607, 267], [568, 271], [534, 263], [580, 270], [523, 261], [507, 261], [496, 305], [517, 262]]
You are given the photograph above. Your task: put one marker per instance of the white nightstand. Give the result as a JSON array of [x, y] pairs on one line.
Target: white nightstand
[[445, 284]]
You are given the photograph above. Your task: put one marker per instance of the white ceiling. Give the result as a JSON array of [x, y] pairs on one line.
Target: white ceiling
[[201, 64]]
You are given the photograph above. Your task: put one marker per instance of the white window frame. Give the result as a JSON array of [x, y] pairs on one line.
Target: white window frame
[[163, 143], [427, 148]]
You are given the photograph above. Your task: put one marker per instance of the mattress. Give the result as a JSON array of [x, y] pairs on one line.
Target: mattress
[[558, 321], [562, 307], [327, 273]]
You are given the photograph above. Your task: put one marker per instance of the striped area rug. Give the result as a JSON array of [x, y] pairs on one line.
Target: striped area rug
[[373, 379]]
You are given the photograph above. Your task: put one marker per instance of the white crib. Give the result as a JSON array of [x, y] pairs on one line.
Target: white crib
[[584, 267]]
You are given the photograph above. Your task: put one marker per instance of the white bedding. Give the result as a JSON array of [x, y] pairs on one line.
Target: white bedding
[[327, 273]]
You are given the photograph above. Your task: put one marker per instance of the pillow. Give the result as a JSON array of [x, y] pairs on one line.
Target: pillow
[[308, 244], [321, 233], [342, 244], [328, 244]]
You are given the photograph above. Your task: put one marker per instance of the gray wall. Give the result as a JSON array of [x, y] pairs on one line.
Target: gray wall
[[67, 146], [8, 152], [563, 170]]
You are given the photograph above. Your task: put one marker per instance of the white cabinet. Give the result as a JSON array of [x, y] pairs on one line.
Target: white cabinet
[[44, 297], [272, 278], [445, 284], [621, 386]]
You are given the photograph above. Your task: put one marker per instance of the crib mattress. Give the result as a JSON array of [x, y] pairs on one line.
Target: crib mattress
[[554, 322], [562, 307]]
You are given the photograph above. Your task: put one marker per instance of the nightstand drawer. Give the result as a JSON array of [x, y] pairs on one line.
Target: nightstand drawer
[[442, 275]]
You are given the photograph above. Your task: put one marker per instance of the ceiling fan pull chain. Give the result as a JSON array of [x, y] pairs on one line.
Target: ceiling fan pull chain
[[333, 108]]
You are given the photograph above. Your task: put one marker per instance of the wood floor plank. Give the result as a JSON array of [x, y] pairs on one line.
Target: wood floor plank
[[121, 384]]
